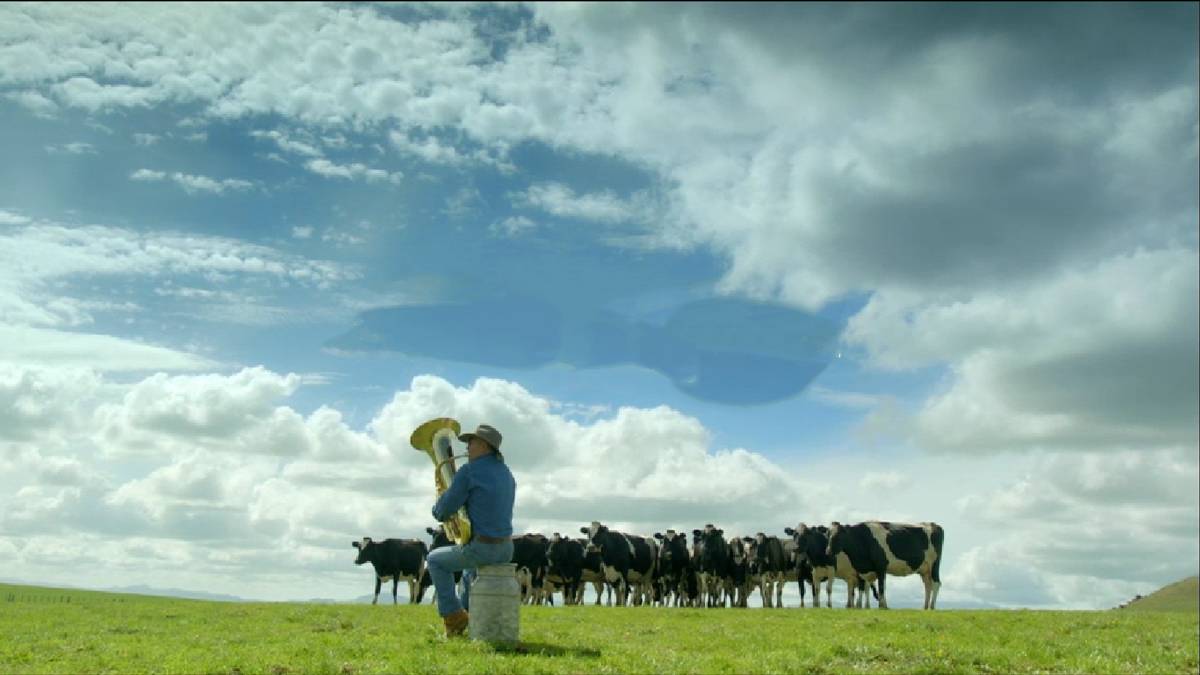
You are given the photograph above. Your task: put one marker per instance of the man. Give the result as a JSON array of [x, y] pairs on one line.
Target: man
[[488, 489]]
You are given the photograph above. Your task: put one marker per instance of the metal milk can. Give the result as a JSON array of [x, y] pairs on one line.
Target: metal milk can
[[496, 604]]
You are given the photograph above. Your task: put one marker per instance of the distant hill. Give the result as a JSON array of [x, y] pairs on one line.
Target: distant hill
[[176, 593], [1181, 596]]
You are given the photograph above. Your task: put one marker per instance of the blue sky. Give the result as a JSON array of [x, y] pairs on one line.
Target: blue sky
[[751, 264]]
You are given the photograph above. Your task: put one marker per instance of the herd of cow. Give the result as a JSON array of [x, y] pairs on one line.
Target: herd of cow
[[713, 571]]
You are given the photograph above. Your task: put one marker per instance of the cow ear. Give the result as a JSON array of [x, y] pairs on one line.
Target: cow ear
[[721, 532], [696, 532], [366, 540], [429, 530], [788, 531], [658, 535], [355, 544], [583, 530]]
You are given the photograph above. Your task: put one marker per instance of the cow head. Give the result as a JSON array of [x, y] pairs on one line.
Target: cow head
[[438, 536], [798, 549], [750, 546], [737, 550], [554, 553], [837, 536], [674, 548], [595, 534], [364, 550]]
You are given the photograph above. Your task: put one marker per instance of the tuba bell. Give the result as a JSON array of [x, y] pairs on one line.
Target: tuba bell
[[435, 438]]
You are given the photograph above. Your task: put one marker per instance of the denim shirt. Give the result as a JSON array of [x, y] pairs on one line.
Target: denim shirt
[[488, 489]]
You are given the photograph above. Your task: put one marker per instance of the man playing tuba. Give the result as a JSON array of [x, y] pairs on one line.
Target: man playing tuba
[[487, 488]]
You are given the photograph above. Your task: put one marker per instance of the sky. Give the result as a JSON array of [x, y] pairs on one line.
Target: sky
[[745, 264]]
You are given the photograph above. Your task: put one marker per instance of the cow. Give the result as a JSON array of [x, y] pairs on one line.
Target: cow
[[564, 567], [393, 559], [796, 568], [438, 539], [629, 562], [593, 573], [811, 544], [892, 548], [529, 555], [737, 579], [770, 565], [711, 552], [673, 565], [691, 586]]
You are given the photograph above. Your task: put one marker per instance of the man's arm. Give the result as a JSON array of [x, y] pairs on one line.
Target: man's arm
[[453, 498]]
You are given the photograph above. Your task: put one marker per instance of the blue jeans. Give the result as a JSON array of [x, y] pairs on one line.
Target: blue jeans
[[445, 561]]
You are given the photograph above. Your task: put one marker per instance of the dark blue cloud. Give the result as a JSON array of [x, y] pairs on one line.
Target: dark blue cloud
[[719, 350]]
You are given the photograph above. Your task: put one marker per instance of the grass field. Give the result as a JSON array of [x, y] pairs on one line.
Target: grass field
[[59, 631], [1181, 596]]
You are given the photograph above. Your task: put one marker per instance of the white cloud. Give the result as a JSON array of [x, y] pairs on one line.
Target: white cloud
[[10, 218], [36, 257], [193, 184], [885, 480], [36, 401], [148, 175], [605, 206], [302, 231], [76, 148], [324, 167], [1084, 531], [47, 284], [434, 151], [146, 139], [34, 102], [27, 345], [287, 143], [512, 226], [1100, 357]]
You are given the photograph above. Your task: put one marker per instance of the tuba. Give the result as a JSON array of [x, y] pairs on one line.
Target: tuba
[[434, 438]]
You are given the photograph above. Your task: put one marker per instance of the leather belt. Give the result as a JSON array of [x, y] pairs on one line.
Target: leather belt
[[490, 540]]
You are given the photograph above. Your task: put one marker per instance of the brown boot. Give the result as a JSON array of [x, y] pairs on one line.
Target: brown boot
[[456, 623]]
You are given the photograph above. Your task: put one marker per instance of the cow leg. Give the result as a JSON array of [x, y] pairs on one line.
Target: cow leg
[[882, 597], [829, 592], [378, 583], [395, 589], [801, 584], [779, 591]]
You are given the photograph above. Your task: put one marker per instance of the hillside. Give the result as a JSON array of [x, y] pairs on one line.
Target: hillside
[[1181, 596], [60, 630]]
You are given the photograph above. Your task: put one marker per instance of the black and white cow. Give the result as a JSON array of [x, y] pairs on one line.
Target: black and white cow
[[797, 568], [593, 573], [770, 566], [393, 559], [892, 548], [438, 539], [629, 562], [564, 567], [673, 565], [737, 578], [529, 555], [711, 552], [692, 597], [811, 544]]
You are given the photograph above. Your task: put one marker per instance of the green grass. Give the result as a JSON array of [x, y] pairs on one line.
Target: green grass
[[1181, 596], [57, 631]]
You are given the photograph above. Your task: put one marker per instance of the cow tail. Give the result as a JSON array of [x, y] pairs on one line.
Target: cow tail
[[936, 537]]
